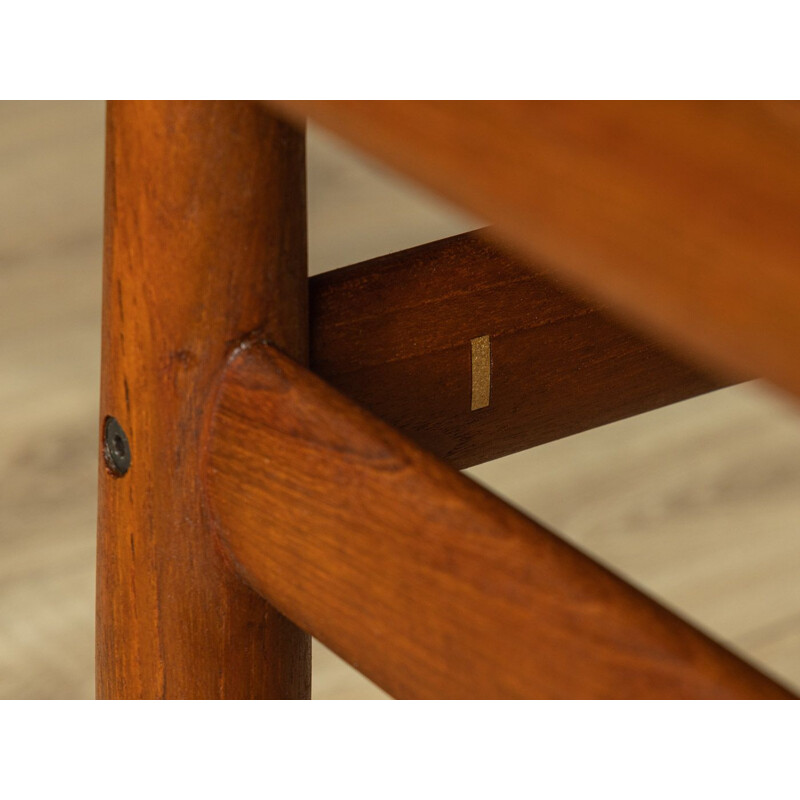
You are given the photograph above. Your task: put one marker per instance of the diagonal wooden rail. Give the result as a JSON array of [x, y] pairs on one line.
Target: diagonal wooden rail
[[395, 334], [684, 215], [428, 584]]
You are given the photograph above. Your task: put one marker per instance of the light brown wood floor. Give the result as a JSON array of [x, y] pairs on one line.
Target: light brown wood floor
[[699, 502]]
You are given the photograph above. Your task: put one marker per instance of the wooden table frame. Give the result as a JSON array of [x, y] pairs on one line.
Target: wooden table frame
[[267, 473]]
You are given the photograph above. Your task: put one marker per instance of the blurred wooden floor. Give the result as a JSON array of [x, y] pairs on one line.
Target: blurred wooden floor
[[699, 502]]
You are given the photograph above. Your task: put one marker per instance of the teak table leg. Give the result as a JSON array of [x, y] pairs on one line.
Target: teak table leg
[[205, 241]]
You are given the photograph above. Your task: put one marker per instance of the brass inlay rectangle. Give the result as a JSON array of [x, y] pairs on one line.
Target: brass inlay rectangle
[[481, 372]]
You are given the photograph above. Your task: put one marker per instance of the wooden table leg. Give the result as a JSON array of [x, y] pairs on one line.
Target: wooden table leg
[[205, 241]]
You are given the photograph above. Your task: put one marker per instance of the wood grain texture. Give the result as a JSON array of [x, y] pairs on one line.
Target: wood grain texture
[[394, 334], [697, 501], [205, 241], [681, 214], [428, 584]]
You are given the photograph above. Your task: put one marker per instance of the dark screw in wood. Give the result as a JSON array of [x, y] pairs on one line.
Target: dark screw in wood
[[116, 450]]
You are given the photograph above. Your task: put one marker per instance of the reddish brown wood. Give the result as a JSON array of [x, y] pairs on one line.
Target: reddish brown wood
[[205, 241], [425, 582], [682, 214], [394, 335]]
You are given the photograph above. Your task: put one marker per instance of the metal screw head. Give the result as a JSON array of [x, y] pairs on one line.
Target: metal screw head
[[116, 450]]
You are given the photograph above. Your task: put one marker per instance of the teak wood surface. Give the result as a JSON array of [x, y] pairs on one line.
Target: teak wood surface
[[205, 240], [394, 334], [253, 480], [683, 215], [418, 577]]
